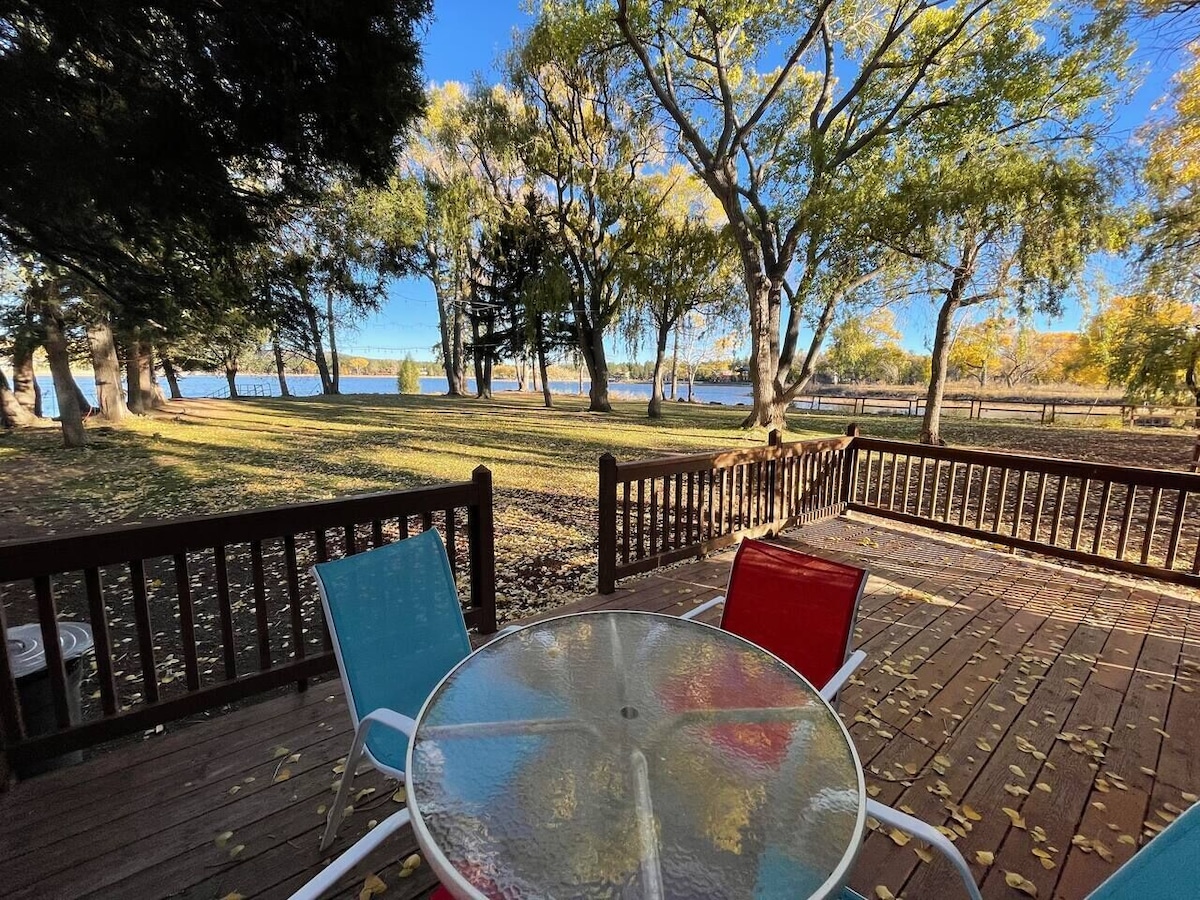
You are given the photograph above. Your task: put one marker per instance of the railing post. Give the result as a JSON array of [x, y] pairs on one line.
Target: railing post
[[481, 536], [606, 563], [849, 464]]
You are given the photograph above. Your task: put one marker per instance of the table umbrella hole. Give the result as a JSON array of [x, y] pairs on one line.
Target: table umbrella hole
[[629, 712]]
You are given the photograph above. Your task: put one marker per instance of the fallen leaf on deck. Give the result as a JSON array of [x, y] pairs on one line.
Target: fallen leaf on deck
[[399, 796], [985, 857], [899, 837], [882, 893], [371, 886], [1016, 770], [923, 854], [280, 751], [222, 839], [971, 813], [1014, 816], [1019, 882], [233, 895], [282, 775], [412, 862], [236, 850]]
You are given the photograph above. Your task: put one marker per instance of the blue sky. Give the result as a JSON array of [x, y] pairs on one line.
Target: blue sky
[[467, 37]]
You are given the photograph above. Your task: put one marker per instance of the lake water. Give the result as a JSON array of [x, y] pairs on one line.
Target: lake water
[[307, 385]]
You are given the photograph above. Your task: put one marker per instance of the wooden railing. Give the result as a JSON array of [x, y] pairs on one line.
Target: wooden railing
[[1145, 521], [655, 512], [195, 613]]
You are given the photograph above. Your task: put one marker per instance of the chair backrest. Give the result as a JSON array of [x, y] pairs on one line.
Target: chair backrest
[[800, 607], [1162, 870], [397, 629]]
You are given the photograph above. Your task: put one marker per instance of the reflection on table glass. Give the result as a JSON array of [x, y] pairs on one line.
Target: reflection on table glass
[[634, 755]]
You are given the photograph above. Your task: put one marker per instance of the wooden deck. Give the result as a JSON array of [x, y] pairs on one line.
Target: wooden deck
[[993, 681]]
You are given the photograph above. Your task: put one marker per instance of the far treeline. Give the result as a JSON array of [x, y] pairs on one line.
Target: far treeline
[[690, 178]]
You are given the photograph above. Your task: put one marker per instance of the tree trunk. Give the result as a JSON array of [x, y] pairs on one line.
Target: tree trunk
[[65, 389], [519, 366], [541, 357], [278, 351], [450, 331], [654, 409], [675, 367], [12, 413], [139, 384], [314, 328], [477, 357], [931, 424], [335, 367], [768, 407], [106, 370], [231, 371], [592, 346], [691, 380], [24, 384], [172, 377]]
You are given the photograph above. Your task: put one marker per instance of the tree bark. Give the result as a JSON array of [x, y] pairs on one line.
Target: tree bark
[[106, 369], [25, 386], [931, 424], [12, 413], [519, 366], [335, 367], [139, 386], [675, 367], [69, 411], [231, 371], [278, 351], [654, 409], [172, 376], [314, 328], [591, 345], [541, 357]]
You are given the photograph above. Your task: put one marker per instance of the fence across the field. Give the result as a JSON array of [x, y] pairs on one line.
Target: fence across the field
[[1047, 412]]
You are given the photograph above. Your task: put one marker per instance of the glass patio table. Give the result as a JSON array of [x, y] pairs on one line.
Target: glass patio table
[[633, 755]]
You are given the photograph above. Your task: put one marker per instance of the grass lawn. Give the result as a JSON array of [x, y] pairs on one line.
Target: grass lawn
[[216, 455]]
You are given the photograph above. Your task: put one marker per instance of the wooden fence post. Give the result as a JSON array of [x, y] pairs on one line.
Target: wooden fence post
[[1196, 456], [606, 563], [849, 465], [481, 529], [774, 494]]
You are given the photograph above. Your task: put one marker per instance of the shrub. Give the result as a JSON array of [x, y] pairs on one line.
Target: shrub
[[408, 379]]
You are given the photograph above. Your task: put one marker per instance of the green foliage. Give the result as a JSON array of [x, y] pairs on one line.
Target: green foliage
[[865, 348], [1148, 344], [408, 378]]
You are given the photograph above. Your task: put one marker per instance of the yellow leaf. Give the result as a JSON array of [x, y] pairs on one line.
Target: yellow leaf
[[1014, 816], [923, 854], [1042, 786], [233, 895], [279, 752], [236, 850], [1019, 882], [371, 886], [222, 839], [983, 745], [971, 813], [412, 862], [985, 857], [283, 775], [899, 837], [882, 893], [1016, 770], [400, 796]]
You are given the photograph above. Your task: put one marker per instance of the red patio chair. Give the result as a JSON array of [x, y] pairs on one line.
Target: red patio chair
[[802, 608]]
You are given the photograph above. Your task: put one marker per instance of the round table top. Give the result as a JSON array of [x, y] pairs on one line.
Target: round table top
[[624, 754]]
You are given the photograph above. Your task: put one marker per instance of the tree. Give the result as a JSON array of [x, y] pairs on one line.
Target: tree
[[975, 348], [794, 115], [589, 146], [865, 348], [178, 131], [683, 263], [408, 379]]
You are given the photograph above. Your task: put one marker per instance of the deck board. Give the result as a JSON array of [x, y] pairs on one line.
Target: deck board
[[967, 648]]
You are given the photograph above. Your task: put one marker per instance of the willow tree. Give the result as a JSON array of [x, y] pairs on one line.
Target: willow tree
[[589, 147], [788, 113]]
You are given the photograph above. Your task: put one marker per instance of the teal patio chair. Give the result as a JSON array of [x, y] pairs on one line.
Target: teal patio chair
[[1165, 869], [397, 628]]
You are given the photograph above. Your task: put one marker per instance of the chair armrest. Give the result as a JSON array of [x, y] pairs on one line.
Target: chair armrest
[[344, 864], [842, 675], [702, 608], [389, 718], [923, 831]]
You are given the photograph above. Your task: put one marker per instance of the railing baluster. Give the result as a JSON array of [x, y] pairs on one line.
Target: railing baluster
[[261, 623], [187, 622], [103, 642], [295, 608], [401, 530], [641, 518], [652, 524], [225, 612], [1080, 511], [950, 482], [921, 484], [1151, 524], [10, 699], [1021, 484], [1060, 503], [1039, 503], [451, 538], [1000, 500], [323, 545], [892, 486], [666, 513], [879, 482], [937, 480], [966, 494], [983, 495], [1101, 517], [350, 543], [426, 520], [624, 521], [145, 632], [377, 533], [691, 508], [1126, 520], [908, 467], [678, 507], [55, 667], [1181, 501]]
